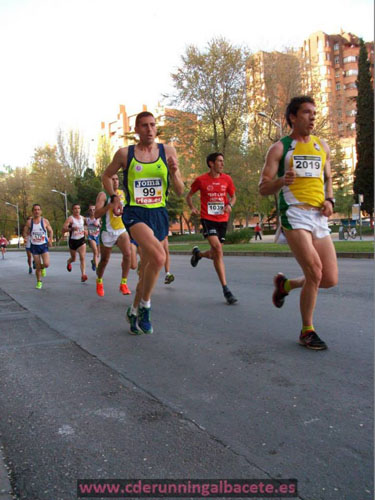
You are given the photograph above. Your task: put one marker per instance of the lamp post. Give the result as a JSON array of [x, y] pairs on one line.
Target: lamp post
[[65, 198], [18, 219], [66, 206], [278, 125]]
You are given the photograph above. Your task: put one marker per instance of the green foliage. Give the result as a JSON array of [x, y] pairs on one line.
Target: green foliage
[[211, 84], [364, 173], [343, 190], [72, 151], [104, 155], [87, 188], [239, 236]]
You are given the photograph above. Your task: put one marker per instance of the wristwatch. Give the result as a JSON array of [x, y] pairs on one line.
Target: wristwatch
[[332, 200], [112, 197]]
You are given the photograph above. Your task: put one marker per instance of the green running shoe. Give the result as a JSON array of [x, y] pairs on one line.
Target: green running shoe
[[39, 285], [144, 320], [132, 320], [44, 272]]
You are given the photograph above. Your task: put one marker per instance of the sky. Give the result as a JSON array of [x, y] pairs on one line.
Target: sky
[[70, 63]]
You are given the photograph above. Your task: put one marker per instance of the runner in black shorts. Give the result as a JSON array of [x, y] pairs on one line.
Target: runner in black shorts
[[217, 199]]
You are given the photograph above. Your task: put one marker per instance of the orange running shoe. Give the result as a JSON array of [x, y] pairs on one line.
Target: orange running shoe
[[124, 289], [100, 289]]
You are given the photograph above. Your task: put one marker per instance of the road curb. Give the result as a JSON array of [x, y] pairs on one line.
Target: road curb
[[341, 255]]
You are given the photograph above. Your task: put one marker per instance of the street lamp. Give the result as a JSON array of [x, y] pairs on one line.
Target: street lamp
[[18, 220], [66, 200], [278, 125]]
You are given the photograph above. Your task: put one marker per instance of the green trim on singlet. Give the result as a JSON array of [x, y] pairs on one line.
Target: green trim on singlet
[[286, 142]]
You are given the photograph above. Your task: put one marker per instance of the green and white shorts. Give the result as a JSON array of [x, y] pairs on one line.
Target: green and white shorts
[[308, 219]]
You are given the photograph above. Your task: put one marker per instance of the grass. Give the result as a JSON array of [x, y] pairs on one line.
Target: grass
[[341, 246]]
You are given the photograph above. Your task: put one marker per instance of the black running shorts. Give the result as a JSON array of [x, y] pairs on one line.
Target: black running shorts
[[212, 228]]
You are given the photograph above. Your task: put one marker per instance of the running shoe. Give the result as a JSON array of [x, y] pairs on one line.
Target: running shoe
[[132, 320], [93, 266], [69, 266], [43, 272], [30, 270], [39, 285], [124, 289], [168, 279], [279, 293], [34, 264], [311, 340], [230, 298], [195, 257], [144, 320], [100, 289], [84, 278]]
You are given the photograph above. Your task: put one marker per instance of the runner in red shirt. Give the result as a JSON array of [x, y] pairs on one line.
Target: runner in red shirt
[[3, 245], [217, 199]]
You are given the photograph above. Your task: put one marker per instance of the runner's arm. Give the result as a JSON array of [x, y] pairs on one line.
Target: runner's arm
[[174, 171], [268, 184], [66, 225], [232, 200], [189, 201], [119, 161], [100, 207], [327, 208], [49, 231], [26, 231]]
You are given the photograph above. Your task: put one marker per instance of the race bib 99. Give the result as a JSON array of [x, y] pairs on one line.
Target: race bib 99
[[148, 191], [307, 166]]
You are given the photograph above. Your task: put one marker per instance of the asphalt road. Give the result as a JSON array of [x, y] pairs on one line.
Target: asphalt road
[[217, 391]]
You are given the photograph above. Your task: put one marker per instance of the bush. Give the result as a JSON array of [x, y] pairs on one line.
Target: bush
[[239, 236], [175, 238]]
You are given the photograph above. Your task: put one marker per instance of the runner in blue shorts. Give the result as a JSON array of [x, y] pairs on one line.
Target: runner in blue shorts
[[148, 168], [41, 234]]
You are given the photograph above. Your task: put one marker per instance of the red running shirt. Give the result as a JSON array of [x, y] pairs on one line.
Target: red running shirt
[[214, 192]]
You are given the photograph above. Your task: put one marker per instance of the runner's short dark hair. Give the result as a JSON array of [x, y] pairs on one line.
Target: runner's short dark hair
[[294, 105], [142, 115], [212, 157], [35, 205], [76, 204]]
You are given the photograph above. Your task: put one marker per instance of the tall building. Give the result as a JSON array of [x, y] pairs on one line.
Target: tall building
[[330, 70]]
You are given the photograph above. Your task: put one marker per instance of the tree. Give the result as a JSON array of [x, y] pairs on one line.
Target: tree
[[212, 85], [72, 152], [48, 173], [342, 189], [87, 189], [104, 154], [364, 172]]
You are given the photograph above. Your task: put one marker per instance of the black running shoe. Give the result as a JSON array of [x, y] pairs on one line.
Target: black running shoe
[[279, 294], [195, 257], [230, 298], [311, 340]]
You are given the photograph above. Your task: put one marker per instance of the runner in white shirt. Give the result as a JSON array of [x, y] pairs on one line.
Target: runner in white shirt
[[76, 225], [41, 234]]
